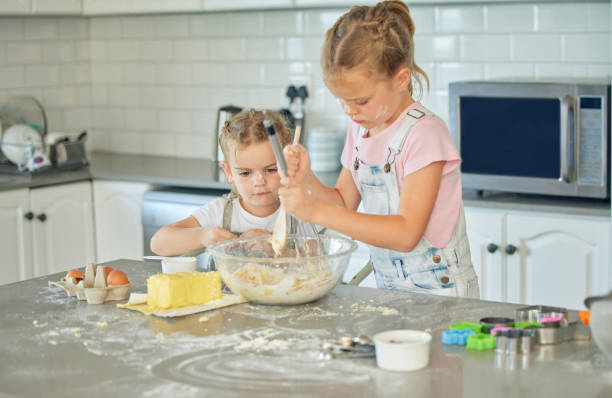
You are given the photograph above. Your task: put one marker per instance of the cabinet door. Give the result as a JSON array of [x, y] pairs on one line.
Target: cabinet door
[[110, 7], [63, 231], [117, 210], [14, 7], [559, 260], [218, 5], [485, 233], [15, 236], [62, 7]]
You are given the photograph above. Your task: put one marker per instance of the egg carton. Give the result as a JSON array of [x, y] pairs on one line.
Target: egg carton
[[93, 288]]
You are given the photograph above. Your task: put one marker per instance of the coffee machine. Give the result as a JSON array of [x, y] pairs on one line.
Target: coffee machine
[[293, 115], [224, 114]]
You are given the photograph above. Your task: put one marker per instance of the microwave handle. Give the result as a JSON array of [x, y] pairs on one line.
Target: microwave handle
[[567, 134]]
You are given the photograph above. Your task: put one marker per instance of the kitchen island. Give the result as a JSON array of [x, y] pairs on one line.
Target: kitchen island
[[53, 345]]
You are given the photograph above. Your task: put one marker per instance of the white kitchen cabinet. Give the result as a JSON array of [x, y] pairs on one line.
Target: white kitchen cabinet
[[112, 7], [14, 7], [62, 228], [56, 7], [534, 258], [15, 236], [45, 230], [221, 5], [485, 233], [561, 260], [118, 209]]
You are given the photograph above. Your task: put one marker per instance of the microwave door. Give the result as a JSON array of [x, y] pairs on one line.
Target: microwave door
[[511, 137]]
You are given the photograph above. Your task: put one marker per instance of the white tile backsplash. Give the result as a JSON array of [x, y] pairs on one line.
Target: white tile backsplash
[[41, 28], [140, 27], [152, 84], [41, 75], [11, 29], [23, 53], [513, 18], [142, 119], [536, 48], [590, 47], [123, 96], [58, 52], [562, 18], [75, 74], [175, 121], [484, 48], [190, 50], [156, 50], [459, 19]]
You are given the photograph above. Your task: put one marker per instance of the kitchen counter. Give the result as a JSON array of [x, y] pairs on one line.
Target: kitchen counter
[[203, 173], [55, 346]]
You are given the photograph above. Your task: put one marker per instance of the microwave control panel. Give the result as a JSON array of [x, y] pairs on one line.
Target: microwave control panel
[[592, 120]]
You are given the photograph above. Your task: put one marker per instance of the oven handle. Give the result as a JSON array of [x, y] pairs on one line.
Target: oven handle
[[567, 134]]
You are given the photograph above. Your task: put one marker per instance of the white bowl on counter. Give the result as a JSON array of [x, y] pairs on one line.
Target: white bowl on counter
[[402, 350], [170, 265]]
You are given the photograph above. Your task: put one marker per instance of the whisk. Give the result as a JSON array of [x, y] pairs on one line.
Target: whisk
[[279, 235]]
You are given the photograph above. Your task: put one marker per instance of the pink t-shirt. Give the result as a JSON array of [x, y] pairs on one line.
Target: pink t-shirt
[[428, 141]]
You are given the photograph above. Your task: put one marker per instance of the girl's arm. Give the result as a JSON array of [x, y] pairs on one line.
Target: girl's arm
[[400, 232], [185, 236]]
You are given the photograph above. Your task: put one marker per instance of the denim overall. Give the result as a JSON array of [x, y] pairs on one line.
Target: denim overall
[[426, 269]]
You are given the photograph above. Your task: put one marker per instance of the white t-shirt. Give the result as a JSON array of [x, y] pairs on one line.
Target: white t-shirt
[[211, 215]]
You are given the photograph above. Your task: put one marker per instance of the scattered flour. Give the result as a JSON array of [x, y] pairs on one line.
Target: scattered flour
[[356, 307]]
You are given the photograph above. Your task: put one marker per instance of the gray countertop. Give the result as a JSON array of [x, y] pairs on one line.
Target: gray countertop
[[53, 345], [202, 173]]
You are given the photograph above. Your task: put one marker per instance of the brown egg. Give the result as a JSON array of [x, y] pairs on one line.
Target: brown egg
[[116, 277], [76, 274], [107, 270]]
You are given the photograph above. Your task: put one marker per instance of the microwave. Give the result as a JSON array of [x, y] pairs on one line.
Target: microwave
[[534, 137]]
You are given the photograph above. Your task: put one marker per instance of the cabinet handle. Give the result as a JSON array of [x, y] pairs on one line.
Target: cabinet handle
[[492, 247], [510, 249], [42, 217], [29, 216]]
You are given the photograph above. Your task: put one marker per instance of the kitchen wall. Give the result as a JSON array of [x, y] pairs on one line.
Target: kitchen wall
[[152, 84]]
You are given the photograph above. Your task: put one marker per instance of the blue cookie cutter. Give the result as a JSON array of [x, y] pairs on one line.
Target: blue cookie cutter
[[456, 337]]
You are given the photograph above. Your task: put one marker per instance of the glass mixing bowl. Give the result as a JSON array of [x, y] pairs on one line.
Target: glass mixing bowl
[[302, 273], [601, 321]]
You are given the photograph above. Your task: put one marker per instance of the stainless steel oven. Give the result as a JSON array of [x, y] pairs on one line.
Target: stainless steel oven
[[535, 137], [163, 206]]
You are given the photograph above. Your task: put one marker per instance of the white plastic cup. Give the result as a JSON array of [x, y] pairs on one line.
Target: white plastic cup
[[402, 350], [170, 265]]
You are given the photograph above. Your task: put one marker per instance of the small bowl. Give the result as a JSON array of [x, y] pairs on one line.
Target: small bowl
[[170, 265], [402, 350]]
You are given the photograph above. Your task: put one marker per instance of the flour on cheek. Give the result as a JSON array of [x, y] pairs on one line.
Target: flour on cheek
[[381, 111]]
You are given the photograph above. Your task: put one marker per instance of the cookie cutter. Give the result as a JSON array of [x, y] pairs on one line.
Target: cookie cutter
[[535, 313], [492, 322], [456, 337], [515, 341]]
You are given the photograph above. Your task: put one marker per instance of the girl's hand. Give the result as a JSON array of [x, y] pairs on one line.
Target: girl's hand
[[254, 232], [298, 201], [298, 164], [212, 235]]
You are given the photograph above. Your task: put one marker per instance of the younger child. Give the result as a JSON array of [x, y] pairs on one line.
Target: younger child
[[399, 160], [252, 207]]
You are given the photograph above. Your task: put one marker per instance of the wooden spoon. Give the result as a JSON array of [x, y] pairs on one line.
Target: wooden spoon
[[279, 234]]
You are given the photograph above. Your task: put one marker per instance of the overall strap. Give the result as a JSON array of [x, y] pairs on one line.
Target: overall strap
[[397, 142], [412, 117]]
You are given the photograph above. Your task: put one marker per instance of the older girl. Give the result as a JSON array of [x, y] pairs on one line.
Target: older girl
[[399, 160]]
